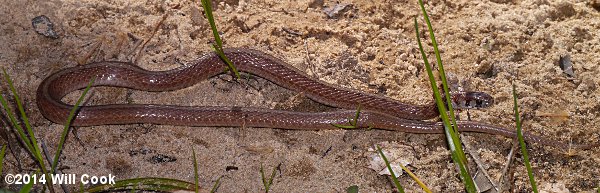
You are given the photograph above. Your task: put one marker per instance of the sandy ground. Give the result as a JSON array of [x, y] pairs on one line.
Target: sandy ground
[[367, 46]]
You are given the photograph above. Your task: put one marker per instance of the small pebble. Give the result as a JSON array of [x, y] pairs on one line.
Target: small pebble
[[336, 10], [229, 168], [566, 65], [160, 158], [43, 26]]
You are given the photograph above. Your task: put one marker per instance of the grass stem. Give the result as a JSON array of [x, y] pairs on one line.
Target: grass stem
[[458, 155], [387, 164], [218, 46], [522, 141]]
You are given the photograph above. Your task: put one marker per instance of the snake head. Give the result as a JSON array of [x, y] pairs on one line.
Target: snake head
[[471, 100]]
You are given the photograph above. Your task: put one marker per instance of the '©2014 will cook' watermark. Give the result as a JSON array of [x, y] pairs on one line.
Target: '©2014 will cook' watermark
[[67, 179]]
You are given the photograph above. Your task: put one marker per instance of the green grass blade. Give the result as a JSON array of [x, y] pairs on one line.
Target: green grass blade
[[34, 149], [229, 63], [450, 129], [16, 125], [522, 142], [27, 187], [196, 177], [144, 184], [387, 164], [416, 179], [267, 182], [206, 4], [442, 73], [355, 121], [216, 185], [14, 121], [2, 152], [343, 126], [352, 122], [70, 118], [272, 176], [20, 107], [443, 111], [263, 179], [352, 189], [33, 142]]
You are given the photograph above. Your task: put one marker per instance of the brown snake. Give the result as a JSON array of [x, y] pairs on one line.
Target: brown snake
[[378, 112]]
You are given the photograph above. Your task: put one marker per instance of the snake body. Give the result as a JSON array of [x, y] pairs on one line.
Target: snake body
[[377, 111]]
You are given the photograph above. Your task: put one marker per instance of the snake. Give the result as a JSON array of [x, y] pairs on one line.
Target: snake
[[377, 111]]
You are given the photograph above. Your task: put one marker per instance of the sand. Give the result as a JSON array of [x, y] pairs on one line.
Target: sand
[[486, 45]]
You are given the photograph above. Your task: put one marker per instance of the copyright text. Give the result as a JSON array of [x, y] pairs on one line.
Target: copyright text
[[67, 179]]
